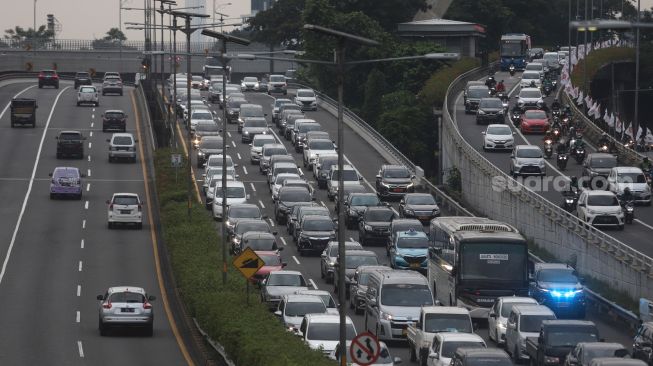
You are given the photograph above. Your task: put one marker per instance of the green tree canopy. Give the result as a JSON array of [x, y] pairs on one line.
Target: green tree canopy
[[21, 34], [115, 35], [281, 24]]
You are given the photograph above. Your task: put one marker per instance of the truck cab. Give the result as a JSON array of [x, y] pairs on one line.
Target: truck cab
[[557, 338], [23, 112], [432, 320]]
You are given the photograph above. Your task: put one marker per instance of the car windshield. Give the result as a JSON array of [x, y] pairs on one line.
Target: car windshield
[[279, 102], [82, 75], [532, 323], [275, 151], [197, 78], [244, 212], [328, 331], [591, 353], [448, 348], [127, 297], [477, 93], [606, 162], [407, 242], [406, 295], [321, 145], [250, 79], [252, 111], [270, 259], [487, 361], [557, 275], [631, 178], [379, 215], [491, 103], [122, 140], [286, 279], [252, 226], [232, 192], [303, 308], [235, 103], [263, 141], [262, 244], [305, 94], [125, 200], [435, 323], [602, 200], [69, 136], [282, 178], [277, 78], [348, 175], [396, 173], [530, 94], [318, 225], [529, 153], [114, 115], [534, 66], [530, 75], [506, 308], [420, 200], [211, 143], [207, 127], [309, 127], [355, 260], [367, 200], [328, 163], [551, 56], [202, 115], [569, 337], [405, 226], [363, 278], [295, 196], [255, 123]]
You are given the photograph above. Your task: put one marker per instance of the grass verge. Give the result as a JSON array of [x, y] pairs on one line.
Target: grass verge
[[596, 60], [435, 88], [250, 334]]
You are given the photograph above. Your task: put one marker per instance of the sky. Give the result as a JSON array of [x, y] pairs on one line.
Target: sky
[[91, 19]]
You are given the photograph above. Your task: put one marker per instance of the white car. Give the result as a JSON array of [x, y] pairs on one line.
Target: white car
[[315, 148], [278, 181], [498, 137], [126, 306], [216, 160], [321, 331], [250, 83], [212, 181], [528, 77], [122, 146], [600, 208], [329, 302], [88, 94], [527, 160], [293, 308], [216, 170], [125, 208], [306, 99], [530, 98], [445, 344], [199, 114], [498, 316], [236, 194], [623, 177], [536, 66], [257, 146], [320, 160]]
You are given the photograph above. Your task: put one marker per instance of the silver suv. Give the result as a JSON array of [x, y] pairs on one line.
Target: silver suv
[[125, 306], [122, 146], [527, 160]]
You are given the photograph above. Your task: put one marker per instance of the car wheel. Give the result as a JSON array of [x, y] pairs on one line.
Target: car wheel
[[515, 356], [97, 104], [78, 104], [110, 159], [58, 155], [621, 227], [413, 355], [121, 93], [40, 86], [322, 272]]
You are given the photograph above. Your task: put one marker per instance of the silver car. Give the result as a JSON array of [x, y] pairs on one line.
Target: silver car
[[88, 95], [292, 309], [527, 160], [329, 257], [125, 306], [122, 146]]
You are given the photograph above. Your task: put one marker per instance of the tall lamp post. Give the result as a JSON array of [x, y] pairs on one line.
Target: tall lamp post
[[224, 38]]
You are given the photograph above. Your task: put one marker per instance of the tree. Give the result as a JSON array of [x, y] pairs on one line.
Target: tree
[[115, 35], [387, 12], [281, 24], [374, 90], [20, 34]]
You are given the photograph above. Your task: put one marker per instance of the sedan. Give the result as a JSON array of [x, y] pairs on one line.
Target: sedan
[[498, 137], [534, 121], [421, 206]]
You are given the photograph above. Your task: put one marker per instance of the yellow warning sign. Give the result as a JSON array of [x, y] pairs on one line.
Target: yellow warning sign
[[248, 263]]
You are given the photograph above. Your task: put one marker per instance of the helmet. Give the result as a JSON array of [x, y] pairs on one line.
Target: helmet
[[555, 100], [574, 180], [627, 190], [501, 81]]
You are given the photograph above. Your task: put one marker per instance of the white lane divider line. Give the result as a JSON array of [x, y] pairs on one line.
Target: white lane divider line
[[261, 203], [253, 188], [79, 290], [83, 224], [245, 170], [82, 244], [80, 266], [283, 240], [323, 204], [29, 187], [643, 223], [88, 187], [88, 172], [238, 154], [93, 114], [80, 348], [229, 134], [233, 143], [271, 222], [86, 205], [395, 211], [90, 134], [351, 238], [296, 260], [89, 158], [90, 144], [312, 283], [77, 317], [301, 173], [92, 124]]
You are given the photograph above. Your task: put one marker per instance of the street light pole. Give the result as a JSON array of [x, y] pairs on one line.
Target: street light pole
[[636, 112]]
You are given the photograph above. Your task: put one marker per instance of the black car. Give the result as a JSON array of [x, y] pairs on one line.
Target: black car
[[355, 205], [208, 145], [315, 233], [348, 189], [474, 96], [394, 181], [353, 259], [304, 212], [49, 78], [490, 110], [233, 109], [82, 78], [557, 286], [114, 119], [292, 217], [374, 225], [421, 206], [70, 143], [288, 197]]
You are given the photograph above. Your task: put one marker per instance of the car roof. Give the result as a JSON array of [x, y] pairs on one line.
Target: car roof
[[286, 271], [529, 89], [532, 309], [481, 352], [600, 345], [527, 147], [71, 169], [113, 110], [302, 298], [627, 169], [360, 252], [264, 137], [393, 166], [313, 292], [321, 139], [451, 336], [351, 244], [311, 90], [406, 221], [284, 164], [122, 134], [135, 289], [294, 189], [599, 193], [539, 266], [517, 299], [234, 183], [411, 234], [269, 146], [316, 217], [601, 155], [378, 208], [125, 194], [242, 205], [324, 318], [283, 100], [267, 252], [372, 268], [617, 361], [445, 310]]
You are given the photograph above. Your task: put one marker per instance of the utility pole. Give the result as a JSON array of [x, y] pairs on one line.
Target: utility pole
[[635, 123]]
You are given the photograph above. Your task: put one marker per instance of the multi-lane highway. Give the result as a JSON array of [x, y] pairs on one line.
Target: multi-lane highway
[[635, 235], [367, 161], [58, 255]]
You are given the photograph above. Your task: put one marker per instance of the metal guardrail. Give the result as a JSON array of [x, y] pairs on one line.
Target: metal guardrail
[[217, 347]]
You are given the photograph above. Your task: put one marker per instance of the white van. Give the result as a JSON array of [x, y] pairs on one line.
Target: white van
[[524, 321]]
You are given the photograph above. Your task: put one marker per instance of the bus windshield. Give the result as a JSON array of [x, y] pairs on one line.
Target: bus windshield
[[513, 48], [493, 262]]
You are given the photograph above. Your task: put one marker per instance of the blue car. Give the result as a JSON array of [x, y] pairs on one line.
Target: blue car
[[410, 251]]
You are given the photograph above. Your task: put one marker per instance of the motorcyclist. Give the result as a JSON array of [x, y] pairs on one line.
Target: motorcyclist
[[567, 111], [627, 196], [548, 135], [578, 142], [501, 88], [646, 164], [490, 82], [573, 184], [604, 140], [555, 105], [547, 83], [533, 85], [561, 148]]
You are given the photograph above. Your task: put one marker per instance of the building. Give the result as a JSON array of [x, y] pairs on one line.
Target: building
[[260, 5], [197, 35], [454, 36]]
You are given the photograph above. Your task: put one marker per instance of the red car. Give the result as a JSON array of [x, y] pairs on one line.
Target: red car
[[272, 261], [534, 121]]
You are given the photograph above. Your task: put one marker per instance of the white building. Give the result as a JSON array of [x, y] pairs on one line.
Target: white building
[[197, 35]]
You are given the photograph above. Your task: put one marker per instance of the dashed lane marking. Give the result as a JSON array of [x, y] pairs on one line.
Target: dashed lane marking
[[80, 349], [283, 240], [79, 290], [296, 260], [312, 283], [79, 269]]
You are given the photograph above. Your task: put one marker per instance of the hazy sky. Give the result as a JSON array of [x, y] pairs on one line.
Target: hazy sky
[[88, 19]]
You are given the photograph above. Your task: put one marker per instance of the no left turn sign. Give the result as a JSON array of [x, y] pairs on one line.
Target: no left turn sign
[[365, 349]]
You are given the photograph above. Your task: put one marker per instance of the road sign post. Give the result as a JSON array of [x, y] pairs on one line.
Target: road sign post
[[248, 263], [365, 349], [175, 160]]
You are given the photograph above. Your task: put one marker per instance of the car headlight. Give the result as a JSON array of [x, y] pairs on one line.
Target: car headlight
[[385, 316], [331, 264], [518, 163], [410, 185], [480, 112], [500, 112], [501, 325], [410, 212], [385, 184], [245, 132], [520, 103], [367, 227], [200, 153], [541, 163], [236, 240]]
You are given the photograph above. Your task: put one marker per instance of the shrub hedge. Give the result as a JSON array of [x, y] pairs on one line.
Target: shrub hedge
[[596, 60], [435, 88], [250, 334]]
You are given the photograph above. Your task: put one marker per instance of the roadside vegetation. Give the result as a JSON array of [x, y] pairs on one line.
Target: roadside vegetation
[[596, 60]]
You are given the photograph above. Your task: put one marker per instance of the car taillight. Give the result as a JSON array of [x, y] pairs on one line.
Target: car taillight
[[106, 305], [55, 76], [41, 74], [147, 305]]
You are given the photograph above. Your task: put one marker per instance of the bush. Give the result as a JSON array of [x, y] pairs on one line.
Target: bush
[[435, 89], [596, 60], [250, 334]]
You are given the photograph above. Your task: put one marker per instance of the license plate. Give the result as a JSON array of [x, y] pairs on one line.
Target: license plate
[[397, 190], [126, 310], [125, 212], [423, 217], [415, 265]]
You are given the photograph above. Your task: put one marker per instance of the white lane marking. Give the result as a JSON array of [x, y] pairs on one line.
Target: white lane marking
[[312, 283], [89, 157], [643, 223], [296, 260], [351, 238], [88, 187], [90, 134], [245, 170], [395, 211], [323, 204], [29, 187], [79, 290], [92, 124], [17, 94], [301, 173], [80, 348], [283, 240], [82, 244], [238, 155], [261, 203], [93, 115], [86, 205], [253, 188], [228, 134], [83, 224], [88, 172], [90, 144], [93, 109], [233, 143], [271, 222], [77, 317], [79, 269]]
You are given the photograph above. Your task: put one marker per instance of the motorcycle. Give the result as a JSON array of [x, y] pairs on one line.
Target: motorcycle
[[493, 91], [561, 161], [547, 89], [504, 100], [570, 200], [556, 132], [642, 146], [579, 154], [556, 113], [516, 117], [628, 208], [511, 69], [629, 144], [604, 148], [548, 148]]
